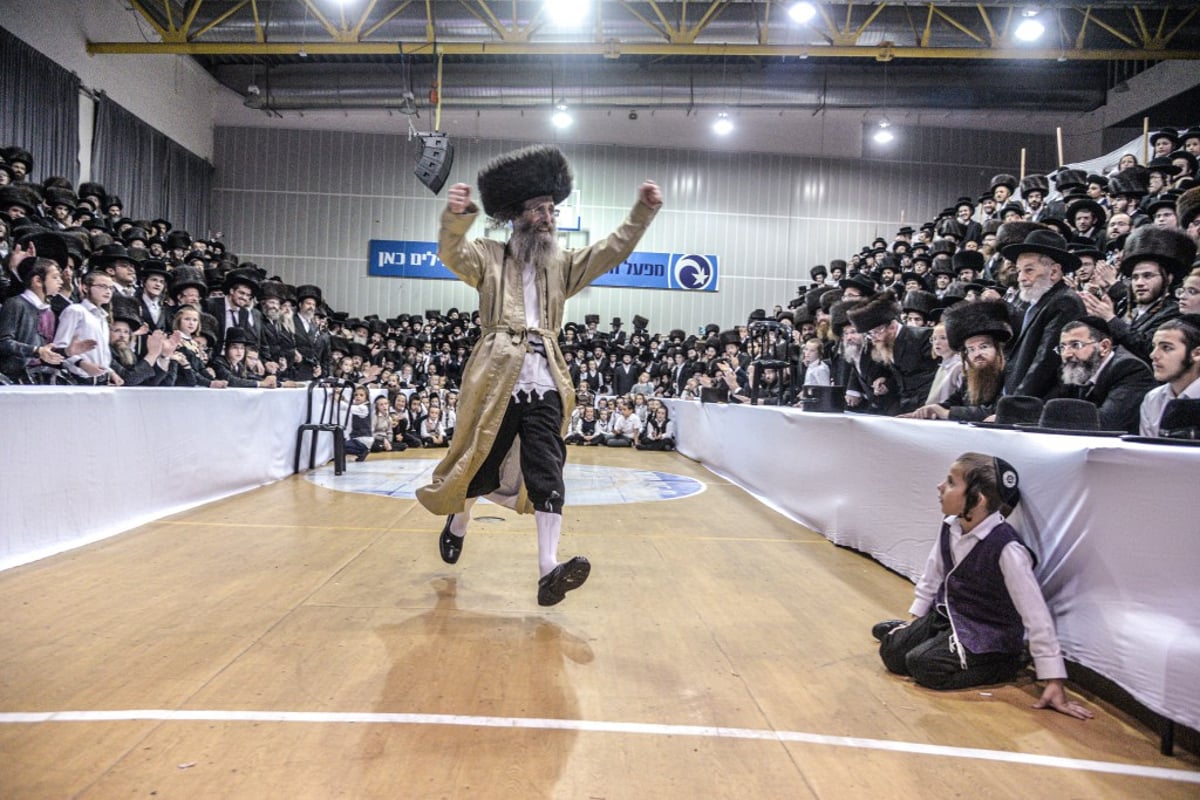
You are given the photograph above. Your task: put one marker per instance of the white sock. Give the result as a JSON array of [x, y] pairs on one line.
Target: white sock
[[549, 529], [458, 525]]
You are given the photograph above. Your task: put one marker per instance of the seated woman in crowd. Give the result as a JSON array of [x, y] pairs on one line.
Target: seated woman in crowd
[[978, 596], [659, 432]]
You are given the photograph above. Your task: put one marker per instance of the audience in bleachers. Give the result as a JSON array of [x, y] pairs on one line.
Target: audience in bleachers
[[92, 296]]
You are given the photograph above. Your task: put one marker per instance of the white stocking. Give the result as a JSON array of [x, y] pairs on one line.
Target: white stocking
[[549, 529], [458, 525]]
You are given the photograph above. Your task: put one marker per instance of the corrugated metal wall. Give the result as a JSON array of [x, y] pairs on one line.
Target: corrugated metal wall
[[303, 205]]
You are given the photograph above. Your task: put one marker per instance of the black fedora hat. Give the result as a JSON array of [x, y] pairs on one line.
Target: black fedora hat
[[1047, 243], [1013, 410], [860, 282], [1180, 424], [1066, 415], [1087, 204], [109, 254]]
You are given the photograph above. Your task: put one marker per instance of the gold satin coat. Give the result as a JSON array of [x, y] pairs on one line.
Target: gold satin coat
[[492, 370]]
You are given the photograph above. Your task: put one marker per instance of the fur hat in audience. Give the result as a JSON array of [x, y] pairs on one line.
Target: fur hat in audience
[[879, 310], [984, 317], [1173, 249]]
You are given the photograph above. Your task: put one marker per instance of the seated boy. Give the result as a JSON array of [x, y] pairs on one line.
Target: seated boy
[[978, 596]]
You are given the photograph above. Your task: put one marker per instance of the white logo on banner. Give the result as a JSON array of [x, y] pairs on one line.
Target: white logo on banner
[[694, 272]]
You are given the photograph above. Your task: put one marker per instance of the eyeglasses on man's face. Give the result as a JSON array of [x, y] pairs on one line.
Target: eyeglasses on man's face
[[542, 210], [1073, 347]]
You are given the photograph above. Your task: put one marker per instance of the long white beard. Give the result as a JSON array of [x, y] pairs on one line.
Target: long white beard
[[1037, 291]]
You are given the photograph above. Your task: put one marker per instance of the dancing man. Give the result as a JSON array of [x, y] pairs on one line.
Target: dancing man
[[516, 382]]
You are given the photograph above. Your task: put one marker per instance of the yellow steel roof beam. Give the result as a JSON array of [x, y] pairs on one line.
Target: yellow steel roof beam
[[388, 17], [162, 32], [325, 23], [1102, 24], [226, 15], [987, 23], [928, 27], [833, 34], [672, 31], [260, 35], [956, 24], [642, 19], [688, 35], [632, 48], [1187, 18]]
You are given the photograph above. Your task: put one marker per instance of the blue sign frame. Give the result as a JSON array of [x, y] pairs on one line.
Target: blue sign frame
[[688, 272]]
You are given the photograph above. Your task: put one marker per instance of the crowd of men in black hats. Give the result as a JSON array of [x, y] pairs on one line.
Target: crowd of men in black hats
[[1066, 287]]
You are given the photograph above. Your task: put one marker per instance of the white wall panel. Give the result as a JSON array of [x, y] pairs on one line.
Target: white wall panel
[[303, 205]]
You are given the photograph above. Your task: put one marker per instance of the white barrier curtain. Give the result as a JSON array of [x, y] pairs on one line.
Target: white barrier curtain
[[153, 176], [40, 109]]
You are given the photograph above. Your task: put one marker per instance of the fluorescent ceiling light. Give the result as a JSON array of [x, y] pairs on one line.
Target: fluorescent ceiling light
[[884, 134], [567, 12], [802, 12], [723, 126], [562, 116], [1030, 30]]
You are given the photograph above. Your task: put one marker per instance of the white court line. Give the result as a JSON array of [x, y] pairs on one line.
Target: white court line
[[1114, 768]]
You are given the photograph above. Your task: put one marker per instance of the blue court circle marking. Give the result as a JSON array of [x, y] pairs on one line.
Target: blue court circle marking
[[587, 485]]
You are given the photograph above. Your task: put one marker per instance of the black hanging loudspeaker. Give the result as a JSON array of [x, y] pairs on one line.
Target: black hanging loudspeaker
[[437, 156]]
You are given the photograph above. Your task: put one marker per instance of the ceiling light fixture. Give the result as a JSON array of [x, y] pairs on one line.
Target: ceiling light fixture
[[567, 12], [562, 115], [802, 12], [884, 134], [723, 126], [1030, 30]]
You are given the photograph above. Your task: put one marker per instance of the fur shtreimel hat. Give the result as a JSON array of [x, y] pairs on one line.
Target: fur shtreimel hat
[[984, 317], [1173, 249], [879, 310], [1035, 183], [1187, 207], [509, 180]]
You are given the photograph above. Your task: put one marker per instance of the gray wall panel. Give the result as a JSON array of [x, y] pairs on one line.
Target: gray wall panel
[[303, 204]]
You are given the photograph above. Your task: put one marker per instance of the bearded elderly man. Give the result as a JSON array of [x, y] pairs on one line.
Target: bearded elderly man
[[1040, 261], [900, 365], [1093, 370], [516, 380]]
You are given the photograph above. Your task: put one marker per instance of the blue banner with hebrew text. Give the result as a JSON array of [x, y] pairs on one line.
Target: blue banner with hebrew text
[[687, 272]]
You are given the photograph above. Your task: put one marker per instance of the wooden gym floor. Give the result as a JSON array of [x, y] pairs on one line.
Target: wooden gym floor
[[297, 642]]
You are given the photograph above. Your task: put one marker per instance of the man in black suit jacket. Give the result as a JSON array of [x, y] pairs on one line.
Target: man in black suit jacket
[[625, 374], [901, 356], [1113, 380], [312, 345], [234, 310], [1033, 362]]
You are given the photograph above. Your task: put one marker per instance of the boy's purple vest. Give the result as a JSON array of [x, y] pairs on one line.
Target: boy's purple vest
[[975, 597]]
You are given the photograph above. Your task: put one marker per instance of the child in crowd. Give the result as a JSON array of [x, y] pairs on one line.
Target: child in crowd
[[381, 426], [659, 432], [625, 427], [359, 438], [978, 596]]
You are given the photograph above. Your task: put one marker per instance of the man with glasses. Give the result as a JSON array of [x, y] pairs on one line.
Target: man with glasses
[[1154, 259], [902, 365], [516, 381], [88, 319], [1112, 380]]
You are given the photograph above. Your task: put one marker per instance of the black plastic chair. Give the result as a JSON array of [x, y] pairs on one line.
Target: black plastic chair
[[331, 419]]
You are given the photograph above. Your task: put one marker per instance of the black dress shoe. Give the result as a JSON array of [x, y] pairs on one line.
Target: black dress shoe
[[449, 545], [553, 587], [881, 629]]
